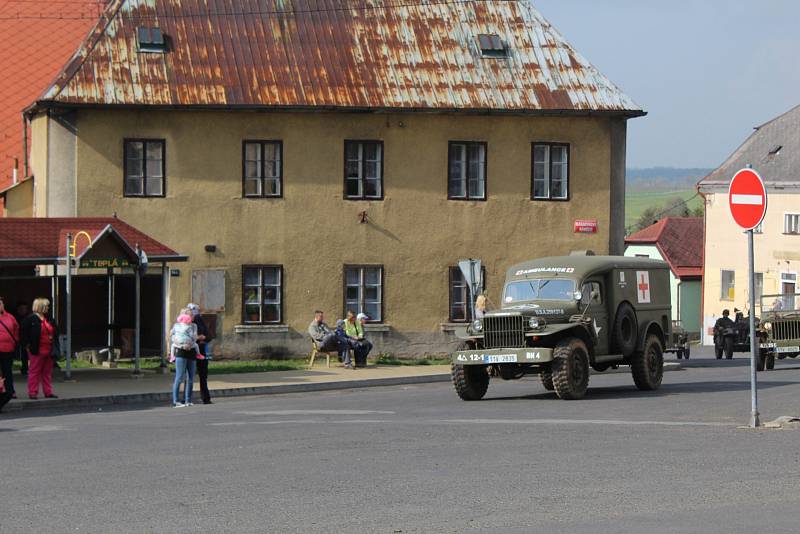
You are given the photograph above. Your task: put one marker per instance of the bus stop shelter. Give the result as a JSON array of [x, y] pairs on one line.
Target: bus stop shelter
[[101, 287]]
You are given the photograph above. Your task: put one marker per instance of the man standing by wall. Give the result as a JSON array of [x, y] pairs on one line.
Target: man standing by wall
[[203, 337]]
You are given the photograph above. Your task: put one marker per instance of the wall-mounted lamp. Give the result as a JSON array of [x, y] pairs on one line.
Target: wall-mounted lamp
[[211, 248], [362, 216]]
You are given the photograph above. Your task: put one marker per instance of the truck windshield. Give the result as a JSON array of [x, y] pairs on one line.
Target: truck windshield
[[546, 289]]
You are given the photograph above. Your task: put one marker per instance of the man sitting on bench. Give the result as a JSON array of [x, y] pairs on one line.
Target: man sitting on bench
[[323, 336]]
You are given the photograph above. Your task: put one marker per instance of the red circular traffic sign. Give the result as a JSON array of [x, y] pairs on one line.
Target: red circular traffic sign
[[747, 198]]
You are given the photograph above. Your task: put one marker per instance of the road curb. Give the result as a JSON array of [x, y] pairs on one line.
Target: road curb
[[166, 396]]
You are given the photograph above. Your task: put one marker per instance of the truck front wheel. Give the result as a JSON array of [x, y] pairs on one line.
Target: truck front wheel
[[647, 366], [547, 380], [470, 381], [570, 369]]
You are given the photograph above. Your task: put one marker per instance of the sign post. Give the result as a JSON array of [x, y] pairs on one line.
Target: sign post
[[68, 318], [471, 270], [747, 198]]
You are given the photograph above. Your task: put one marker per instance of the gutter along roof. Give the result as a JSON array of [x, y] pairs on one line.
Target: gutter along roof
[[409, 55]]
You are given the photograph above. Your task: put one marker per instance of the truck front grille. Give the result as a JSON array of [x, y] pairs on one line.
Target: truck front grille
[[503, 332], [783, 330]]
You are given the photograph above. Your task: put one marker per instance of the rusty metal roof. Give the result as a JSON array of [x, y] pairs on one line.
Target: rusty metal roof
[[335, 54]]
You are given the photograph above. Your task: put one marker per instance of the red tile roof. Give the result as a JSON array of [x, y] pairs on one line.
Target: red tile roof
[[680, 241], [44, 239], [38, 38]]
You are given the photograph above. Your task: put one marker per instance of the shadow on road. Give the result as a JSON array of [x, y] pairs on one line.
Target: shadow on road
[[666, 390]]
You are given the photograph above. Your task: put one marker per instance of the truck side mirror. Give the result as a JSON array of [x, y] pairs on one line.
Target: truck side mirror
[[595, 295]]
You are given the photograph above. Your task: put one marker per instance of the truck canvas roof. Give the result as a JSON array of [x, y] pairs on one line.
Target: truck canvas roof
[[579, 266]]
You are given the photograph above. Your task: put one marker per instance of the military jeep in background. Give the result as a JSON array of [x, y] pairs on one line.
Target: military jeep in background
[[779, 329], [559, 316]]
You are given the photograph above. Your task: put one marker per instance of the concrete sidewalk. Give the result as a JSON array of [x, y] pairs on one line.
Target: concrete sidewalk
[[99, 387], [103, 387]]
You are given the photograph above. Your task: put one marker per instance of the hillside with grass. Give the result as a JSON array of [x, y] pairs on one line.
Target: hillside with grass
[[657, 192]]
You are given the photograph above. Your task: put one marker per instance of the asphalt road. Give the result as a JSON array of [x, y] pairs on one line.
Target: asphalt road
[[417, 459]]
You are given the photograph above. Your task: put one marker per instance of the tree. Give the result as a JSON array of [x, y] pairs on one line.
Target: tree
[[646, 218], [676, 207], [698, 212]]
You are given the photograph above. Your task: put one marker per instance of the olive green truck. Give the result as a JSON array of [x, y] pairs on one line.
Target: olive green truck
[[561, 316]]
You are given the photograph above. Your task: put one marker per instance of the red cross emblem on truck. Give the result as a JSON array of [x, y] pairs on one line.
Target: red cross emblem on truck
[[643, 286]]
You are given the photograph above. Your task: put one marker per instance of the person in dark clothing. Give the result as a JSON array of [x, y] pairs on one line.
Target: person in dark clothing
[[21, 312], [723, 336], [203, 337]]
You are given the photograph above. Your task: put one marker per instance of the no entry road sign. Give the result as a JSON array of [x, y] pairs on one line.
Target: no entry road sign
[[747, 198]]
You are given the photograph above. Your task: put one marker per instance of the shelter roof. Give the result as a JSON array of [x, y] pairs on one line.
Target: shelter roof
[[773, 150], [423, 55], [680, 242], [37, 39], [25, 240]]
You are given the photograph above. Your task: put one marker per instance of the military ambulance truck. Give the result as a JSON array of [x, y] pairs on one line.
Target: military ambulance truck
[[561, 316]]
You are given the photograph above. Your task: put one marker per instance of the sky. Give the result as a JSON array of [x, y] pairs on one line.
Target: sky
[[706, 71]]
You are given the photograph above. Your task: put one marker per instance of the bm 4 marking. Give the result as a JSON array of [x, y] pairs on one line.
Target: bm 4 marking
[[561, 316]]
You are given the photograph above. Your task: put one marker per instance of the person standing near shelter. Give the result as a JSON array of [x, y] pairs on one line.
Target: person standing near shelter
[[183, 346], [480, 306], [9, 341], [203, 337], [39, 337]]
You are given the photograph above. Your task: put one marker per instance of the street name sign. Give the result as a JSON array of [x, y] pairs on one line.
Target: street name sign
[[747, 198]]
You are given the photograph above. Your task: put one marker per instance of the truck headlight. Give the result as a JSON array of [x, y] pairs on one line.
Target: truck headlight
[[533, 322], [767, 326], [477, 325]]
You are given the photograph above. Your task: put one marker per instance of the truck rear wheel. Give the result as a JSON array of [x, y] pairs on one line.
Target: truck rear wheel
[[547, 380], [470, 381], [570, 369], [647, 366]]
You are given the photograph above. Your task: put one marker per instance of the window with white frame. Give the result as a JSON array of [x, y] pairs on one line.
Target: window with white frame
[[262, 168], [262, 294], [791, 223], [466, 171], [144, 167], [363, 170], [363, 290], [728, 281], [759, 286], [550, 180]]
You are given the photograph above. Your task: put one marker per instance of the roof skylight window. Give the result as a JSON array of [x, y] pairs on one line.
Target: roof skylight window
[[150, 39], [492, 45]]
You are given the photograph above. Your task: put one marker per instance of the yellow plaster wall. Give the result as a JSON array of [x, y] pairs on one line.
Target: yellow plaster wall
[[19, 200], [415, 232], [726, 248], [38, 163]]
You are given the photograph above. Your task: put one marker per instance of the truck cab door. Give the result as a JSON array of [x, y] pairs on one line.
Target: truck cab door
[[597, 311]]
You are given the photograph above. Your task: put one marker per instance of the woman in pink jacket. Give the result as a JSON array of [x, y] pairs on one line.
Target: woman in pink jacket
[[9, 339], [40, 339]]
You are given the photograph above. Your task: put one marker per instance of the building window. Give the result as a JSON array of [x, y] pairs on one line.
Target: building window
[[144, 167], [728, 279], [262, 294], [262, 169], [363, 170], [363, 290], [467, 171], [460, 302], [550, 180], [791, 223], [759, 287]]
